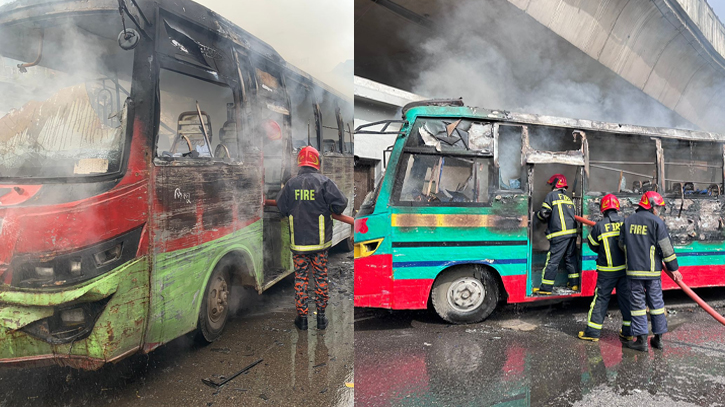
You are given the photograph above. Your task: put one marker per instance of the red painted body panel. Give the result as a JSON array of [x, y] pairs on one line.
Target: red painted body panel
[[58, 228]]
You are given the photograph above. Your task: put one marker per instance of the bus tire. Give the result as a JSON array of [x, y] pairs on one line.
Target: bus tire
[[214, 310], [465, 295], [347, 245]]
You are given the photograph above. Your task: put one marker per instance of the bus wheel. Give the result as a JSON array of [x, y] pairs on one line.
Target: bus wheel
[[348, 244], [460, 297], [215, 305]]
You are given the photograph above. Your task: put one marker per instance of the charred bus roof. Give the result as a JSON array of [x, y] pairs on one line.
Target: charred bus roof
[[456, 108]]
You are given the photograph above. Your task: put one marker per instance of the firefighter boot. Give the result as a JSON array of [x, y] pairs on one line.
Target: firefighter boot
[[656, 342], [321, 320], [639, 344], [301, 322]]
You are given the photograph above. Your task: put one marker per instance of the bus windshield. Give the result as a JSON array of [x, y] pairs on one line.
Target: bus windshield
[[63, 87]]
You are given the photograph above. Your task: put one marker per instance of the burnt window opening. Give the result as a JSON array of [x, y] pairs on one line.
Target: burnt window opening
[[303, 114], [546, 138], [330, 124], [439, 180], [181, 133], [621, 163], [511, 173], [188, 47], [692, 168], [452, 135]]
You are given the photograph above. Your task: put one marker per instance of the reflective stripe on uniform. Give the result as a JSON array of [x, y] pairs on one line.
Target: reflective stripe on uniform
[[591, 309], [574, 275], [321, 225], [308, 248], [626, 323], [592, 241], [562, 233], [608, 269], [546, 205], [652, 259], [670, 258], [636, 273], [657, 311], [639, 313], [292, 230]]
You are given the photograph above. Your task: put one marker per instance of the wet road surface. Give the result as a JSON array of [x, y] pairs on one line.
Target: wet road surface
[[531, 357], [298, 369]]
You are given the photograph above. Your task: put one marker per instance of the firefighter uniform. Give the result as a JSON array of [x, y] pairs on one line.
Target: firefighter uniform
[[309, 199], [558, 210], [646, 244], [611, 271]]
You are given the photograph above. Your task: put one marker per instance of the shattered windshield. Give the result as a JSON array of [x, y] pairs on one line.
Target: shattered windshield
[[63, 87], [451, 135]]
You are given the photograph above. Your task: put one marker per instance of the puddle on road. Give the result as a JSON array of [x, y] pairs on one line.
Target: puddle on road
[[495, 364]]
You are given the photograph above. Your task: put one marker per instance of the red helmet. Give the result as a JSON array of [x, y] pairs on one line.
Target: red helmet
[[609, 202], [309, 157], [558, 180], [649, 198]]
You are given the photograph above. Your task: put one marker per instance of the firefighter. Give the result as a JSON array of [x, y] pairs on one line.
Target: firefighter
[[558, 210], [611, 271], [309, 199], [646, 244]]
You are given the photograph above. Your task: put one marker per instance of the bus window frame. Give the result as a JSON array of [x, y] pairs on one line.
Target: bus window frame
[[228, 77], [179, 68], [524, 173], [399, 178]]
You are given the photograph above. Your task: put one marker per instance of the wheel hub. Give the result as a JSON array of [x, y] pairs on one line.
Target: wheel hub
[[218, 299], [466, 294]]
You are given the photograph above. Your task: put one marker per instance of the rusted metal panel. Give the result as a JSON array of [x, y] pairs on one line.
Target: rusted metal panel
[[454, 220]]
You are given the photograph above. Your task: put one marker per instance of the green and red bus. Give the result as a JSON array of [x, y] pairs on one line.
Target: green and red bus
[[136, 152], [450, 224]]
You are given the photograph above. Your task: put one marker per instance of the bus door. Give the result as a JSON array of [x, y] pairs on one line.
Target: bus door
[[541, 165], [271, 115]]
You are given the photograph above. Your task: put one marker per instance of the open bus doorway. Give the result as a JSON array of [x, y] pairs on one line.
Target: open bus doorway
[[539, 174]]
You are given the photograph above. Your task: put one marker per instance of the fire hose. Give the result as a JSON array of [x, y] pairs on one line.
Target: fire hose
[[342, 218], [682, 284]]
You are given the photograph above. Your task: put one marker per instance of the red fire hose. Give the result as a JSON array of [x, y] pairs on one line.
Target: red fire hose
[[682, 284], [342, 218]]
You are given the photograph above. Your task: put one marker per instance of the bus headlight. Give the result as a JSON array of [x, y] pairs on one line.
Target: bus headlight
[[367, 248], [71, 268]]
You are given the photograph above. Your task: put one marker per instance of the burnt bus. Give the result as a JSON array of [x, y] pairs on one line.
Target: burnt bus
[[136, 151]]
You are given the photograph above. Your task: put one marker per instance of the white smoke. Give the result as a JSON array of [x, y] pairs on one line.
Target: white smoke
[[496, 56]]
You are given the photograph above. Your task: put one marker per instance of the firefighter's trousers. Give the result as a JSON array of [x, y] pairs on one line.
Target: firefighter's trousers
[[304, 264], [560, 249], [643, 294], [602, 295]]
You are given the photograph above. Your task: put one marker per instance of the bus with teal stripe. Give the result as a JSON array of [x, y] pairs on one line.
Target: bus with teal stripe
[[451, 225]]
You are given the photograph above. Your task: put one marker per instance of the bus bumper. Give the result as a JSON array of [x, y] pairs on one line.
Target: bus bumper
[[375, 286], [85, 326]]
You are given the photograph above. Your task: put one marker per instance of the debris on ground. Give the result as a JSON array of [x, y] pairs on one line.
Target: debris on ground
[[214, 384]]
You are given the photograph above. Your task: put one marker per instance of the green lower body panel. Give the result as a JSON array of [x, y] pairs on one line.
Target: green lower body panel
[[179, 280], [119, 300]]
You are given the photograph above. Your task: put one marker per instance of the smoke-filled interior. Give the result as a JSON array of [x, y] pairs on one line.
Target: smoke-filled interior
[[512, 174], [692, 168], [180, 130], [621, 163], [60, 113]]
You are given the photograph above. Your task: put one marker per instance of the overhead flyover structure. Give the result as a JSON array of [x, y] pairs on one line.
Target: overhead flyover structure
[[672, 50]]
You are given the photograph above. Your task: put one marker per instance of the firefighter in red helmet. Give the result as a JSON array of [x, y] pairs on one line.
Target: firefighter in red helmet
[[646, 244], [309, 199], [611, 271], [558, 210]]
